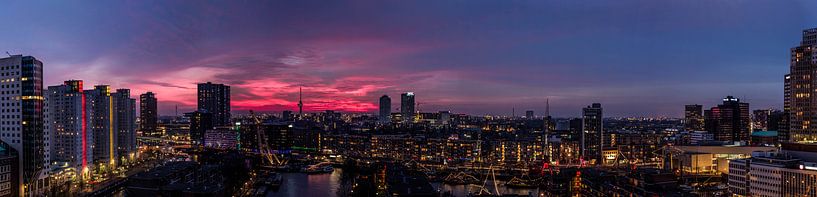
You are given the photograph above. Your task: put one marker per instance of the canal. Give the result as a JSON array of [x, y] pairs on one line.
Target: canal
[[326, 185]]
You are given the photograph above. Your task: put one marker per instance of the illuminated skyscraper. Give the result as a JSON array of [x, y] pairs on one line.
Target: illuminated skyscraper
[[66, 125], [99, 111], [148, 115], [21, 117], [784, 125], [124, 123], [215, 99], [592, 132], [800, 89], [385, 108], [407, 106], [729, 121], [693, 118]]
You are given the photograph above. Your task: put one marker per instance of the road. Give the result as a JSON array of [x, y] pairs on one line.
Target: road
[[114, 180]]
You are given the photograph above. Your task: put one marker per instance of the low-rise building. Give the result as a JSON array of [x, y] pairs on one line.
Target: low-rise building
[[770, 174]]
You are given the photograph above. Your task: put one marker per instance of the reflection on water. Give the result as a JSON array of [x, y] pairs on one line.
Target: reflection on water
[[308, 185], [327, 185], [464, 190]]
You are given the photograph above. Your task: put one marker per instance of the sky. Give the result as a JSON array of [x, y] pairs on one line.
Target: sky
[[636, 58]]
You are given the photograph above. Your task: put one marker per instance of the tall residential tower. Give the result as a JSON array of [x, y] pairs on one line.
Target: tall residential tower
[[407, 106], [148, 115], [800, 89], [21, 117], [385, 108], [592, 132], [67, 127], [215, 99]]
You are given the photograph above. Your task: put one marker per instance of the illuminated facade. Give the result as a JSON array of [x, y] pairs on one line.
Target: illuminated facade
[[99, 112], [124, 115], [22, 128], [772, 175], [66, 125], [802, 87], [592, 132], [221, 138]]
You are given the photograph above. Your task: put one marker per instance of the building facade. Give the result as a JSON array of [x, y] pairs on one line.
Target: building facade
[[800, 88], [99, 110], [693, 118], [407, 106], [148, 115], [772, 175], [221, 138], [66, 125], [215, 99], [9, 173], [592, 133], [124, 124], [729, 121], [200, 122], [21, 115], [385, 108]]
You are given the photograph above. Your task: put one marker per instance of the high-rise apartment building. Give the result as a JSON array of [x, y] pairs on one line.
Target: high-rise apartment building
[[592, 132], [66, 125], [800, 89], [407, 106], [215, 99], [99, 111], [729, 121], [21, 117], [148, 115], [385, 108], [693, 118], [124, 124]]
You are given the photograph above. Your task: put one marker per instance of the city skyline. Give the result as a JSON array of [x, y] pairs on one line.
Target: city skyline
[[486, 58]]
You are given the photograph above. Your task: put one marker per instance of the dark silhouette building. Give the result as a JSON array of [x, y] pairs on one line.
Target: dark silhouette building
[[200, 122], [9, 160], [148, 115], [287, 115], [729, 121], [385, 108], [592, 132], [693, 118], [215, 99], [407, 106]]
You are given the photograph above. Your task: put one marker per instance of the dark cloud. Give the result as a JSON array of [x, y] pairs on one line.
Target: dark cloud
[[638, 58]]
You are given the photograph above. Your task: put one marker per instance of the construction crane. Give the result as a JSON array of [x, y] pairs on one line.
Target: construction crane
[[263, 146]]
